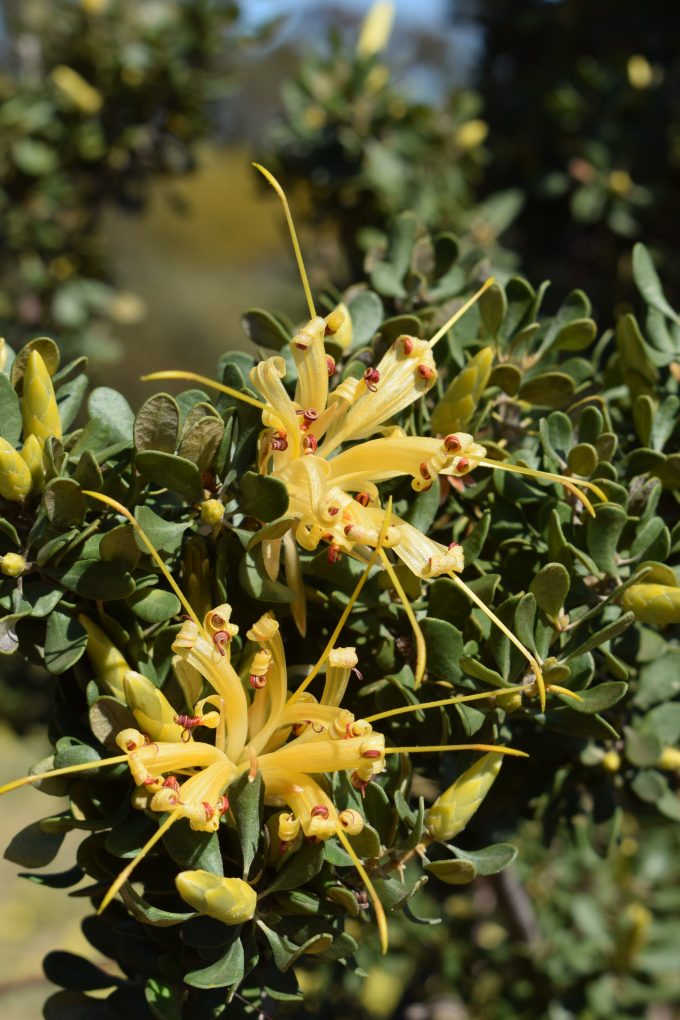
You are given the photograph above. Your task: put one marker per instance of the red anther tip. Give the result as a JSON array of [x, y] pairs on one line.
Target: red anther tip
[[425, 372], [452, 443], [462, 464], [363, 498], [319, 811], [424, 473]]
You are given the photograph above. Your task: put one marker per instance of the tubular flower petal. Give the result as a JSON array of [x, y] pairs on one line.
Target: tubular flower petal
[[39, 404], [151, 709], [230, 900], [108, 663]]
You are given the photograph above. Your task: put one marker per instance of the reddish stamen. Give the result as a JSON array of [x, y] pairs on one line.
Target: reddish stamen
[[258, 682], [334, 554], [319, 811], [452, 443], [462, 464], [372, 378], [330, 365], [363, 498], [279, 441], [407, 344], [424, 473], [220, 639], [425, 372], [310, 444]]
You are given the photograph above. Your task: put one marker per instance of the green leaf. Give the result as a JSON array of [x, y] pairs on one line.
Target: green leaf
[[157, 424], [224, 973], [579, 724], [606, 633], [582, 459], [10, 412], [649, 284], [270, 532], [597, 699], [32, 847], [112, 409], [491, 859], [263, 497], [366, 312], [602, 536], [65, 642], [169, 471], [161, 999], [263, 330], [444, 644], [119, 546], [94, 579], [64, 502], [493, 306], [286, 952], [201, 442], [422, 510], [659, 680], [508, 377], [147, 913], [549, 389], [194, 850], [576, 335], [71, 971], [642, 747], [153, 605], [453, 872], [164, 535], [550, 588], [246, 800], [255, 581], [302, 866]]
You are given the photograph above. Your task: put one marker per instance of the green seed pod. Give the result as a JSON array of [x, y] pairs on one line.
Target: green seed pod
[[451, 812], [151, 709], [230, 900], [212, 511], [15, 478], [12, 565], [108, 663], [39, 404], [32, 453], [459, 403], [653, 603]]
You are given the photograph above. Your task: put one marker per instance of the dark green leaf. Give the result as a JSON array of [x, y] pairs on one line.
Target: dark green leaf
[[94, 579], [10, 412], [32, 847], [164, 535], [64, 502], [246, 800], [491, 859], [263, 496], [157, 424], [168, 471], [65, 642], [263, 330], [550, 588], [113, 409], [648, 283], [153, 605], [366, 311], [597, 699], [444, 644], [452, 872], [71, 971]]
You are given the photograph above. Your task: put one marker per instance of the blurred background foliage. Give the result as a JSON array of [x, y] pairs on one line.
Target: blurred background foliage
[[543, 138]]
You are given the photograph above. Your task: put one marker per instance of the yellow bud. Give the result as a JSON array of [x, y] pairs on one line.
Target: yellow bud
[[636, 921], [459, 403], [669, 759], [212, 511], [620, 182], [653, 603], [4, 354], [339, 326], [451, 812], [39, 404], [12, 565], [32, 453], [77, 90], [471, 134], [376, 29], [611, 761], [15, 478], [640, 74], [151, 709], [108, 663], [230, 900]]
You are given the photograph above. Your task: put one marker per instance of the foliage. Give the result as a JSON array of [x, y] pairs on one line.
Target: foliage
[[99, 97], [543, 390], [354, 150]]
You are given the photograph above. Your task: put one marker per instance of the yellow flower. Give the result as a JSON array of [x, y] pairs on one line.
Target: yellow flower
[[321, 443], [292, 739]]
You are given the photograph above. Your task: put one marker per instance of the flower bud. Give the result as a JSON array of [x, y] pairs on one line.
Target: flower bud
[[12, 565], [39, 404], [15, 478], [669, 759], [376, 29], [230, 900], [459, 403], [611, 761], [653, 603], [451, 812], [151, 709], [212, 511], [4, 354], [107, 662], [32, 454], [78, 91]]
